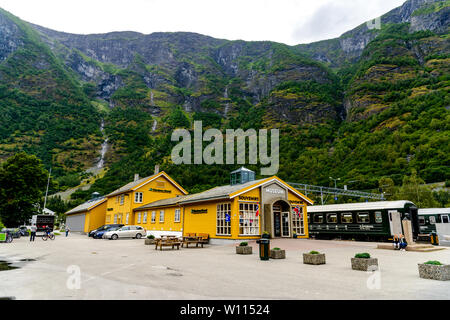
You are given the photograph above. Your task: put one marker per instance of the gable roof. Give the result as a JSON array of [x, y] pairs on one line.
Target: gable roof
[[88, 205], [141, 182], [162, 203]]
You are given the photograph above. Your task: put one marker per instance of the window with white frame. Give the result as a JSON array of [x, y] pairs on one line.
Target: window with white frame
[[161, 216], [138, 197], [139, 218], [223, 219], [122, 199], [126, 219], [115, 218], [248, 221], [153, 216], [177, 215], [145, 217], [298, 224]]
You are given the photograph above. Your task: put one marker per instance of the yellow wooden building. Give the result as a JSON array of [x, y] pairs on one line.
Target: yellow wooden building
[[87, 216], [242, 210], [122, 202]]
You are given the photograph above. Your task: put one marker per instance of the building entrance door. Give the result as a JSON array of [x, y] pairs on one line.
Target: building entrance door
[[277, 224], [285, 225]]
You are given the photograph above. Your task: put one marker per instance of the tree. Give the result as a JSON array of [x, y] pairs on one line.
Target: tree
[[178, 119], [415, 190], [23, 180]]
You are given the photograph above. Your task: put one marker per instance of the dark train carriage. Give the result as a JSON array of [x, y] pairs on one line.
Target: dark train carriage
[[430, 216], [362, 221]]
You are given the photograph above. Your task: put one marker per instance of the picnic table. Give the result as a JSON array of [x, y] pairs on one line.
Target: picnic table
[[199, 239], [167, 241]]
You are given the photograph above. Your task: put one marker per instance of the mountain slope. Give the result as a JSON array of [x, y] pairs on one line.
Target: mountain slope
[[371, 103]]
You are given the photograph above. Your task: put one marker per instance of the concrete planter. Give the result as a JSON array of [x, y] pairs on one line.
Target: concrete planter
[[278, 254], [363, 264], [244, 250], [430, 271], [149, 241], [315, 259]]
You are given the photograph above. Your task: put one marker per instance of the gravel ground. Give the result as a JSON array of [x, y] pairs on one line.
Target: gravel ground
[[78, 267]]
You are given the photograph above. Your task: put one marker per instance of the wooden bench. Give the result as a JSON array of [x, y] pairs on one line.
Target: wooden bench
[[170, 241]]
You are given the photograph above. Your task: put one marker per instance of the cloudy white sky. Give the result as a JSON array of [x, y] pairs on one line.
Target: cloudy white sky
[[287, 21]]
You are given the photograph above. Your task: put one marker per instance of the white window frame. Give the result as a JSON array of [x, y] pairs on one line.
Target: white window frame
[[153, 219], [122, 199], [248, 221], [144, 219], [139, 217], [177, 215], [138, 197], [161, 216], [115, 219], [223, 228], [127, 218], [298, 223]]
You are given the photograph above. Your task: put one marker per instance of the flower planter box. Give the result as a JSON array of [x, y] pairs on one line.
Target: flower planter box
[[278, 254], [363, 264], [244, 250], [149, 241], [315, 259], [435, 272]]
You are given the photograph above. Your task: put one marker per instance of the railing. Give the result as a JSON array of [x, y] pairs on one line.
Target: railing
[[308, 188]]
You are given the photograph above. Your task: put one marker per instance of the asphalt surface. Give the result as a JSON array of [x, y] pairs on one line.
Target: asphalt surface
[[78, 267]]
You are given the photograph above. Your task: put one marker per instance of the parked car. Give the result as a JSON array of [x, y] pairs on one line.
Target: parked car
[[99, 234], [24, 230], [103, 228], [15, 233], [126, 232]]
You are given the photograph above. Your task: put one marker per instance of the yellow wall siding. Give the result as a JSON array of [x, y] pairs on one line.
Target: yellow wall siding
[[252, 196], [96, 217], [149, 195], [295, 200], [169, 223], [204, 222]]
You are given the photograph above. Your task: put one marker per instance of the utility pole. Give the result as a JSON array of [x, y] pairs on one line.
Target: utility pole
[[46, 192], [335, 186]]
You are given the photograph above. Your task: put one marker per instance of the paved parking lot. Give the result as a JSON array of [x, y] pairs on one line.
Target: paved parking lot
[[127, 269]]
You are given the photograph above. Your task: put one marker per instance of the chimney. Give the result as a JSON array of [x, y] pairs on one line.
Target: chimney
[[136, 177], [156, 169]]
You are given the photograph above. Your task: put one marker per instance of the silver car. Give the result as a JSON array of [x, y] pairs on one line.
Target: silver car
[[126, 232]]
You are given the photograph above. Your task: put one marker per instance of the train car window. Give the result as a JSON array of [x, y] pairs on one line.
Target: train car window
[[362, 217], [318, 218], [422, 221], [347, 218], [332, 218], [378, 217], [444, 219], [432, 219]]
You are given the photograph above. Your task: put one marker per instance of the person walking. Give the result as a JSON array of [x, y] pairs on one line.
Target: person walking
[[33, 232], [67, 231]]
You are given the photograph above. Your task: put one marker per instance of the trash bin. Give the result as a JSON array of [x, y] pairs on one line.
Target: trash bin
[[434, 239], [264, 249]]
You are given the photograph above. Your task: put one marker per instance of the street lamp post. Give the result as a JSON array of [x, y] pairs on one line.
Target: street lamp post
[[335, 186]]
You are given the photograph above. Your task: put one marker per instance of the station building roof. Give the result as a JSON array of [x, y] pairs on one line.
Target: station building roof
[[88, 205]]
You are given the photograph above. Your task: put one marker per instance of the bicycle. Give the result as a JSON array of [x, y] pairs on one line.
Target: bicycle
[[46, 236]]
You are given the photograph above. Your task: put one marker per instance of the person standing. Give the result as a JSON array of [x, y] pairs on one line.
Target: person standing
[[33, 232], [67, 231]]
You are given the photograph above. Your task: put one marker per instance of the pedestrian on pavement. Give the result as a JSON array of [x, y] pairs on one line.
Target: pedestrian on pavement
[[33, 232], [396, 242], [402, 243], [67, 231]]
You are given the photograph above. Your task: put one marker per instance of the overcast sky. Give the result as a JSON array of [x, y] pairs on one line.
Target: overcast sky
[[287, 21]]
